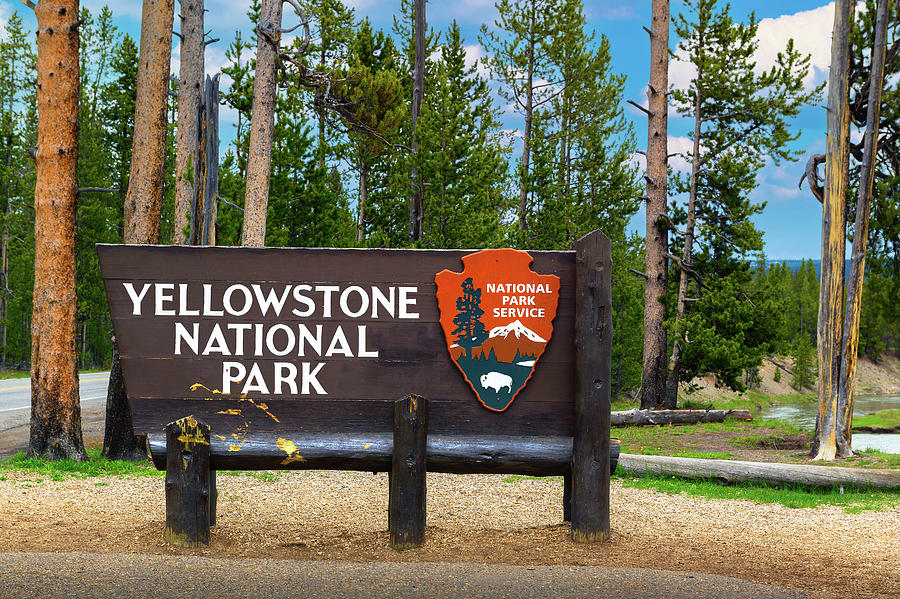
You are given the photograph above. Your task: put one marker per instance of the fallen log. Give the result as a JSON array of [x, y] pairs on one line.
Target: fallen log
[[733, 471], [638, 417]]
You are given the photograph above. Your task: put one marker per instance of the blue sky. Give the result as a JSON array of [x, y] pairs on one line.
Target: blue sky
[[792, 218]]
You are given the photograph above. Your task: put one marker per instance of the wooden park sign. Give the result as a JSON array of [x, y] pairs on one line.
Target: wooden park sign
[[296, 358]]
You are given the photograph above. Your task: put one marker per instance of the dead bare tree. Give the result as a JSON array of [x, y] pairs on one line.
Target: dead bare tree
[[653, 378], [853, 305], [828, 443]]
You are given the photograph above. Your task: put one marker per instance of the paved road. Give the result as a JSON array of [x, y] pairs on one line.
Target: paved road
[[61, 575], [15, 397]]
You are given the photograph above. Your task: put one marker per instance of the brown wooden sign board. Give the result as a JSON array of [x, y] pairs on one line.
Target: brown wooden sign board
[[260, 358], [286, 340]]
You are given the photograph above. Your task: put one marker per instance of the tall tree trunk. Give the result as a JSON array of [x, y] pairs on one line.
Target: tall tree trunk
[[415, 200], [653, 376], [259, 156], [55, 407], [145, 189], [853, 307], [686, 257], [189, 90], [828, 441], [363, 198], [145, 182], [529, 117], [209, 172]]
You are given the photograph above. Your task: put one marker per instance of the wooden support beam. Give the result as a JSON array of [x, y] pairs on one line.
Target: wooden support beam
[[406, 503], [567, 497], [213, 497], [187, 483], [593, 354]]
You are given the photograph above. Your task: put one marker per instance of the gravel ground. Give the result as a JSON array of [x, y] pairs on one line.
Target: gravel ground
[[342, 516]]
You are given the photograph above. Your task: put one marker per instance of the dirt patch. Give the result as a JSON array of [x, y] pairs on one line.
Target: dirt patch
[[472, 518], [872, 378]]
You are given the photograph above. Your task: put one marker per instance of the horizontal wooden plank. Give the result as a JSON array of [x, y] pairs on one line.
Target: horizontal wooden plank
[[235, 420], [208, 303], [168, 263], [410, 341], [347, 379], [491, 454]]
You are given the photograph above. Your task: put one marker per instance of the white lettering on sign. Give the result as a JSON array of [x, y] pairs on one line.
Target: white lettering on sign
[[202, 327]]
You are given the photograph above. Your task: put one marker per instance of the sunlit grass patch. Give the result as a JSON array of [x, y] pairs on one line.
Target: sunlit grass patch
[[852, 499], [95, 465]]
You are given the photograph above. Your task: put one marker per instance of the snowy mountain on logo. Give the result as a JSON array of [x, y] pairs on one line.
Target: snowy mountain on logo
[[508, 341], [519, 330]]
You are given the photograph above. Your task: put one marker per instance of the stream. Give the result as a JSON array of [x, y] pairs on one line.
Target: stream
[[804, 415]]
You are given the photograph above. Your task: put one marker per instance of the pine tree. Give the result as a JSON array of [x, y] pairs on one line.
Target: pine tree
[[462, 156], [804, 364], [469, 329], [17, 133], [520, 48], [740, 119]]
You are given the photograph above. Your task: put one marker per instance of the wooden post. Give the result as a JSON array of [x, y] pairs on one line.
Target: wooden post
[[213, 497], [567, 497], [593, 354], [406, 504], [187, 483]]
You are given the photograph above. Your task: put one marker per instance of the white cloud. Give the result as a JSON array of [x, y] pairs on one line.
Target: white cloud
[[810, 30], [474, 56]]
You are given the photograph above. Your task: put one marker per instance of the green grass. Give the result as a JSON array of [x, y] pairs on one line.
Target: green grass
[[884, 419], [96, 465], [853, 500], [704, 455]]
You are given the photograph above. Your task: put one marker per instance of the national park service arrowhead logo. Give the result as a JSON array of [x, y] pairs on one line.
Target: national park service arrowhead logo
[[497, 316]]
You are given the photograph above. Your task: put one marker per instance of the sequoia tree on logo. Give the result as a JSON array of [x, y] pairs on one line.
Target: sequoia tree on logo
[[497, 317], [468, 323]]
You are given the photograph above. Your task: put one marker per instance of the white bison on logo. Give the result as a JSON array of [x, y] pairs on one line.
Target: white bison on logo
[[496, 381]]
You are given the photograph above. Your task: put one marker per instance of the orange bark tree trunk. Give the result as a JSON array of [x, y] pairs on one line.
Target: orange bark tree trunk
[[259, 155], [828, 443], [653, 377], [145, 191], [55, 407]]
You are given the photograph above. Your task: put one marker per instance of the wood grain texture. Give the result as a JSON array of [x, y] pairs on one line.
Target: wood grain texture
[[412, 353], [406, 500], [372, 452], [593, 354], [187, 483], [853, 305], [827, 442]]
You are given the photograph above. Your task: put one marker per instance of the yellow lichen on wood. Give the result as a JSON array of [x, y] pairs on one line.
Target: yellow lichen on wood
[[231, 412], [288, 447]]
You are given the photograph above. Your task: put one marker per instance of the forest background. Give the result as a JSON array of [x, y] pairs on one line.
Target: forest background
[[335, 185]]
